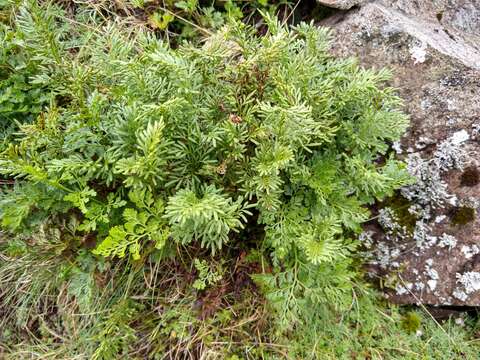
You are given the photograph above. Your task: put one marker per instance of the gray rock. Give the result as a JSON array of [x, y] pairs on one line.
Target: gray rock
[[340, 4], [462, 15], [436, 65]]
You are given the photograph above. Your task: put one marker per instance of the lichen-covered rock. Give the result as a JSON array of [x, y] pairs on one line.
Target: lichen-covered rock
[[463, 15], [340, 4], [425, 242]]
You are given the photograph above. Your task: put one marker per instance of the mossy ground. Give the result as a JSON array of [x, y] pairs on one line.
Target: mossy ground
[[400, 206], [462, 215]]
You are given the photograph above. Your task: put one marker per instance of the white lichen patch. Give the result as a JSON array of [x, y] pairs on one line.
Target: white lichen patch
[[419, 286], [460, 295], [440, 218], [385, 255], [476, 131], [451, 121], [402, 290], [470, 280], [418, 53], [428, 198], [469, 251], [451, 104], [397, 146], [460, 137], [432, 274], [421, 235], [425, 104], [366, 238], [429, 191], [420, 212], [449, 154], [432, 284], [447, 241], [389, 222], [423, 142]]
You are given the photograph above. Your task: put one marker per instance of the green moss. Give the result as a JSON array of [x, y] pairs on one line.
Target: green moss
[[411, 322], [463, 215], [470, 177], [400, 207]]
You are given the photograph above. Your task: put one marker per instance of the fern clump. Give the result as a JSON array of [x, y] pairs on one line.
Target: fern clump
[[151, 145], [143, 148]]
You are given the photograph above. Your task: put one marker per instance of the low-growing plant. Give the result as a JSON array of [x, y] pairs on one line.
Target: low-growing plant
[[148, 165], [31, 41], [22, 93], [185, 145], [150, 145], [206, 275]]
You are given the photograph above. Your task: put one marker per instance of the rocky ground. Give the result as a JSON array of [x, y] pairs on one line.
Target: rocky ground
[[426, 240]]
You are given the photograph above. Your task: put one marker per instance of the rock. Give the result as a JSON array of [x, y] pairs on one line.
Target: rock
[[426, 242], [340, 4], [463, 15]]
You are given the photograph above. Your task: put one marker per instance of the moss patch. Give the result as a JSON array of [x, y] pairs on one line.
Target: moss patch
[[400, 207], [470, 177], [463, 215], [411, 322]]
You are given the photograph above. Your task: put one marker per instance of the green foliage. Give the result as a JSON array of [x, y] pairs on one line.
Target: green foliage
[[208, 219], [135, 167], [116, 333], [369, 328], [206, 136], [206, 276], [100, 318], [141, 223], [186, 19], [22, 93]]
